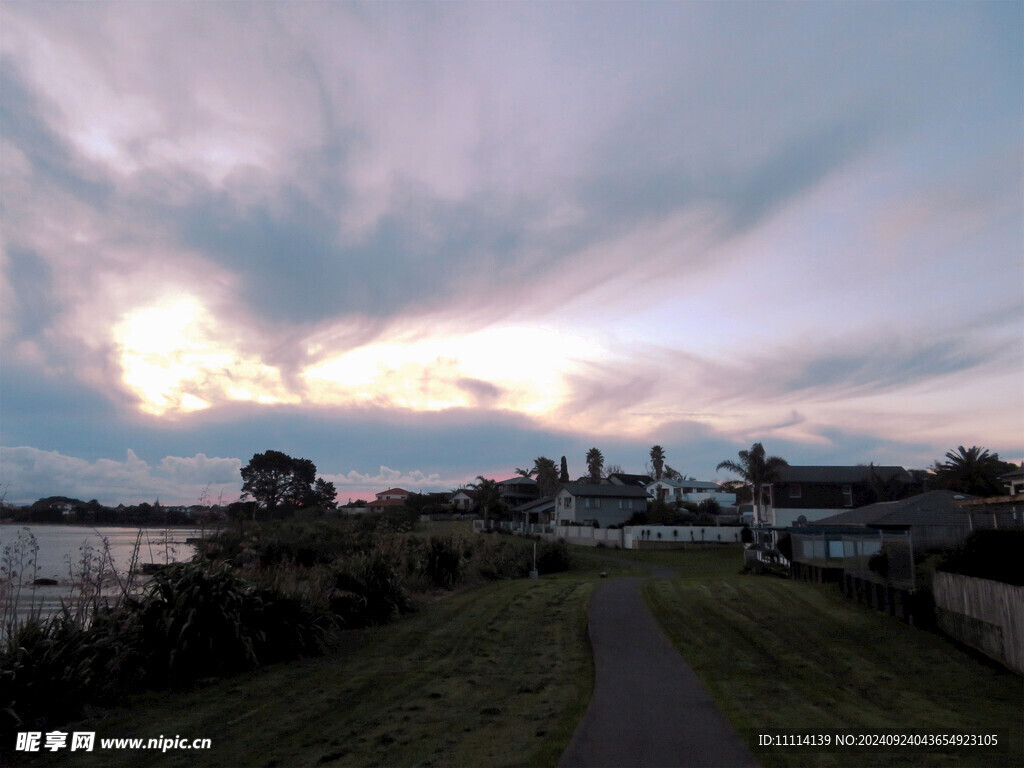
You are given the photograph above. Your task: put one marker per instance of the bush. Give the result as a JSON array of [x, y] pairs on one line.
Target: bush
[[988, 554], [47, 673], [369, 591], [504, 560], [443, 566], [554, 557], [194, 622]]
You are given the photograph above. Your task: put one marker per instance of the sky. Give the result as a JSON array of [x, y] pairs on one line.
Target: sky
[[421, 242]]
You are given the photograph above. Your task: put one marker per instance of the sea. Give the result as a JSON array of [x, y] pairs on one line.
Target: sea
[[65, 557]]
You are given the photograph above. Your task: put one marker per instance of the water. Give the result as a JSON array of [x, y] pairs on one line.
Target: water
[[72, 554]]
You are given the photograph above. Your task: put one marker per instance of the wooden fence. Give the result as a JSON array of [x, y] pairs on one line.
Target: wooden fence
[[987, 615]]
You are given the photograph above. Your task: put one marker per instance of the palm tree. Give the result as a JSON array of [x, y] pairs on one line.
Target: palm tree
[[971, 470], [547, 475], [595, 461], [657, 460], [756, 470], [526, 472]]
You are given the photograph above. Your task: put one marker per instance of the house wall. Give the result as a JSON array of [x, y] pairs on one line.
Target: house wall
[[987, 615], [783, 518], [821, 496], [605, 510]]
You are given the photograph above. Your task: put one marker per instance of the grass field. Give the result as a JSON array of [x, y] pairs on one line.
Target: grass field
[[779, 654], [497, 675]]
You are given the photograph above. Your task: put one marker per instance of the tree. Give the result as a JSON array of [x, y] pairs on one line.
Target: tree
[[563, 476], [595, 461], [526, 472], [323, 494], [274, 478], [612, 469], [972, 470], [488, 496], [547, 475], [756, 470], [657, 460]]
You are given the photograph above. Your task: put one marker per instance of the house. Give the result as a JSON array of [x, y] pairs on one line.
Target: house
[[537, 512], [598, 505], [393, 493], [804, 494], [932, 519], [519, 490], [381, 505], [1014, 481], [463, 500], [873, 551], [680, 491]]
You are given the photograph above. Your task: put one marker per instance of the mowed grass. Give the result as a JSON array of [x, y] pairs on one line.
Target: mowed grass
[[779, 654], [497, 675]]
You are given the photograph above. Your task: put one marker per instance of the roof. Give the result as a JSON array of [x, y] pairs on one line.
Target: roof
[[537, 504], [833, 474], [393, 490], [677, 483], [621, 478], [614, 491], [518, 481], [467, 491], [387, 503], [931, 508]]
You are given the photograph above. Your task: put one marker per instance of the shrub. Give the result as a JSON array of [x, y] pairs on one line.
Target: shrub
[[504, 560], [443, 565], [46, 671], [369, 591], [988, 554], [554, 557], [194, 623]]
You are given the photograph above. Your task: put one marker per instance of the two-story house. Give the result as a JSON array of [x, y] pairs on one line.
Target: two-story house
[[588, 503], [805, 494], [517, 491], [679, 491]]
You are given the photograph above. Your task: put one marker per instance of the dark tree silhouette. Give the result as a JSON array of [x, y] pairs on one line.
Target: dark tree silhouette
[[972, 470], [657, 460]]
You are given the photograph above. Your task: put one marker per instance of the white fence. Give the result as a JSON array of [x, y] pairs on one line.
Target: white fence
[[633, 537], [987, 615], [637, 537]]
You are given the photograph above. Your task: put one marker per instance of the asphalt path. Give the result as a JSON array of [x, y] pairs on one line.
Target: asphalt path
[[648, 707]]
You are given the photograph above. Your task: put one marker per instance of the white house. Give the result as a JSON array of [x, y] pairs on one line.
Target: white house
[[463, 500], [673, 491], [587, 503]]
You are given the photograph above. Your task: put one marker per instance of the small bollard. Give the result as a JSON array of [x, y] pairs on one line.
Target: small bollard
[[534, 574]]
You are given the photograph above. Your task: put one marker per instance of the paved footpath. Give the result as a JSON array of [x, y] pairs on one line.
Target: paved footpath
[[648, 707]]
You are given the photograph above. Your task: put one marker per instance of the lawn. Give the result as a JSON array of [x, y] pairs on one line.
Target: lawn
[[496, 675], [779, 654]]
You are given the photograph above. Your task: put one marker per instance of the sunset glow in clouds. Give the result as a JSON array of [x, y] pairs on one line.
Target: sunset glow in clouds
[[421, 242]]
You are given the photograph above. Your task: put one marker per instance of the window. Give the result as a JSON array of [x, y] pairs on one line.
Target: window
[[625, 503], [847, 496], [592, 503], [795, 492]]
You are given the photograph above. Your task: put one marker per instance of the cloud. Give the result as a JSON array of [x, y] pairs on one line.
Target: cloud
[[29, 474], [701, 214]]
